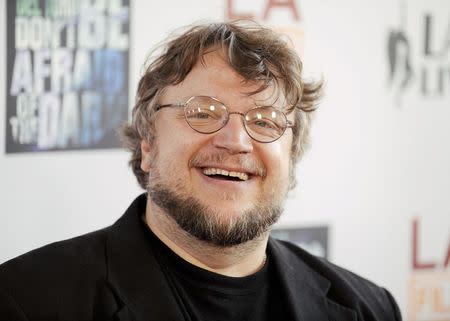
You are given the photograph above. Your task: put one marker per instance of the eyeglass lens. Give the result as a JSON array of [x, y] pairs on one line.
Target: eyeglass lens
[[207, 115]]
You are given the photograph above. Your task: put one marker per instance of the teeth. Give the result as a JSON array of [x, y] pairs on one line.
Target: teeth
[[218, 171]]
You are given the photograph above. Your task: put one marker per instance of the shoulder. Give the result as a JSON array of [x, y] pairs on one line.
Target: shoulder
[[71, 279], [57, 272], [343, 286], [76, 253]]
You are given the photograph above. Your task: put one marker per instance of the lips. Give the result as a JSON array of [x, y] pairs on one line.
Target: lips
[[230, 167]]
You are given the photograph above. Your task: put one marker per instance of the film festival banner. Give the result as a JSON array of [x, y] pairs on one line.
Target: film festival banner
[[67, 74], [419, 56], [285, 16], [429, 280], [419, 73]]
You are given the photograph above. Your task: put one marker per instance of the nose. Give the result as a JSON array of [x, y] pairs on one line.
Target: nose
[[233, 136]]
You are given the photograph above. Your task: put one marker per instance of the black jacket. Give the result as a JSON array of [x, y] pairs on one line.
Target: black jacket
[[111, 274]]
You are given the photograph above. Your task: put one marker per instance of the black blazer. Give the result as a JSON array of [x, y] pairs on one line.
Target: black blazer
[[112, 274]]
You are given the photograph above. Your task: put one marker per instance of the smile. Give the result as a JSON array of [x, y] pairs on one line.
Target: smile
[[224, 174]]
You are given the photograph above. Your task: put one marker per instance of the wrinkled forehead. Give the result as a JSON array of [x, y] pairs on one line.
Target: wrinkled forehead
[[215, 71]]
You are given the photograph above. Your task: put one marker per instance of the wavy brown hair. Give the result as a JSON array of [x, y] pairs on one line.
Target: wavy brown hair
[[256, 53]]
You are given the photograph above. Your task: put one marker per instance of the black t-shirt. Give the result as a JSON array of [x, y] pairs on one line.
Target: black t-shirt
[[207, 296]]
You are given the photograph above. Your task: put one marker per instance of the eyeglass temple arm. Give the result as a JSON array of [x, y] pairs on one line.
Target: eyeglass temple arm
[[289, 124]]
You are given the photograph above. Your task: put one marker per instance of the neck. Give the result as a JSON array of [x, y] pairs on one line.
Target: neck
[[236, 261]]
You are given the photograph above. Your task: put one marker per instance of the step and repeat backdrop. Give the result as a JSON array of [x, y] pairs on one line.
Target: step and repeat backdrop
[[374, 188]]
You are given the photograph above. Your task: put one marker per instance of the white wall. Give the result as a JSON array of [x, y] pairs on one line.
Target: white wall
[[372, 168]]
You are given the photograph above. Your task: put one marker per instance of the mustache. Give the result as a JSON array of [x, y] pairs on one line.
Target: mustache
[[248, 164]]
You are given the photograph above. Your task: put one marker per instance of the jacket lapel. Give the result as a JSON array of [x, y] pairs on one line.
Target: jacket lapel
[[306, 291], [123, 315], [134, 274], [143, 293]]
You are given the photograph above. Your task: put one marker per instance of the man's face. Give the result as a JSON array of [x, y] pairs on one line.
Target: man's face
[[183, 165]]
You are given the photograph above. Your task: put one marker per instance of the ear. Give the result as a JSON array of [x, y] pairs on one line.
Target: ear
[[146, 156]]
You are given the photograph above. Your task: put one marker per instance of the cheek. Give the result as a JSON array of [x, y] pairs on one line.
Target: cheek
[[280, 153], [277, 159], [175, 138], [175, 151]]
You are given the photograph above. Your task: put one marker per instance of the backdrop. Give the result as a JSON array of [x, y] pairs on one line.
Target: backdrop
[[373, 189]]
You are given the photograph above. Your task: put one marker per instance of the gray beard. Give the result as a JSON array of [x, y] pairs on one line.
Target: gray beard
[[206, 225]]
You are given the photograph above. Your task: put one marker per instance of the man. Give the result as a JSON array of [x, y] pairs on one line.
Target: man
[[221, 118]]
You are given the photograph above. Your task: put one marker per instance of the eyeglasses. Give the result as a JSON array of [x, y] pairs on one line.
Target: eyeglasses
[[208, 115]]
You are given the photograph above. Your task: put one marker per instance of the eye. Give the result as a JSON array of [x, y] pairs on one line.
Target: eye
[[202, 114], [264, 124]]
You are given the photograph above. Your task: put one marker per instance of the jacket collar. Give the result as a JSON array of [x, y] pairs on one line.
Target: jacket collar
[[139, 284], [133, 272], [305, 290]]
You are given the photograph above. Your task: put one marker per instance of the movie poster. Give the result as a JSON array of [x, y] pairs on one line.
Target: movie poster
[[67, 74]]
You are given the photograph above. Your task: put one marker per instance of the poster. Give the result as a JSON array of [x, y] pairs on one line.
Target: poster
[[67, 74], [312, 239]]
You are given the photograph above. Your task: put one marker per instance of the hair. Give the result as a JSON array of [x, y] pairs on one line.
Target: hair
[[256, 53]]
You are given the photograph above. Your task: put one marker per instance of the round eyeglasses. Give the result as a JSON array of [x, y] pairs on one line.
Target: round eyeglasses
[[208, 115]]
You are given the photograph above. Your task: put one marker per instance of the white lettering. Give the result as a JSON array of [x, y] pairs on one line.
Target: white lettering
[[41, 69], [22, 73], [48, 121], [118, 16], [21, 33], [70, 121], [62, 60], [82, 70]]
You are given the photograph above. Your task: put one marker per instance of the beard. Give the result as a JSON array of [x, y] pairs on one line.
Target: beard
[[205, 223], [210, 226]]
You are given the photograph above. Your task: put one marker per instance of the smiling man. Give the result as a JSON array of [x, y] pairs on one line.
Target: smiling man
[[222, 116]]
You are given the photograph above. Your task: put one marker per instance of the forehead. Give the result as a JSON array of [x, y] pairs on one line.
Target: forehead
[[213, 76]]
